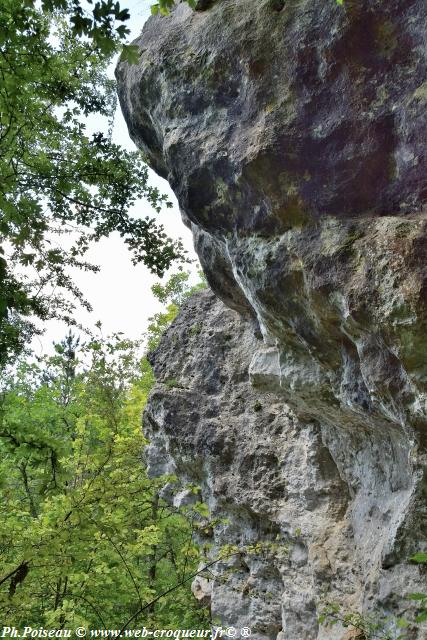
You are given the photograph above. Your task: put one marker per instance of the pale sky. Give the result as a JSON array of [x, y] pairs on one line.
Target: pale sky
[[120, 293]]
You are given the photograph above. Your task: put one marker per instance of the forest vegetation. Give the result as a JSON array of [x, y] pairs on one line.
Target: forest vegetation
[[86, 538]]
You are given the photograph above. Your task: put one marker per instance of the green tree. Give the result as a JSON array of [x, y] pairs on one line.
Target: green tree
[[173, 293], [85, 537], [62, 187]]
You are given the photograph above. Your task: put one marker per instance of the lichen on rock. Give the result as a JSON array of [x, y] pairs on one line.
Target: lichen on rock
[[295, 141]]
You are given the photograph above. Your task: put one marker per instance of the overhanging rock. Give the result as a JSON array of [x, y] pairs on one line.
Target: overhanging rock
[[295, 141]]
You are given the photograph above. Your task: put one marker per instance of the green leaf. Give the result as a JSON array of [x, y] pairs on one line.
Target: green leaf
[[402, 623], [417, 596], [420, 558], [130, 54]]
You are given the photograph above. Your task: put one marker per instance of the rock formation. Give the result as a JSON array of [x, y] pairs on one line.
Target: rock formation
[[294, 136]]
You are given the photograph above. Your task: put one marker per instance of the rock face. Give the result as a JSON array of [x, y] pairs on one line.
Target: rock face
[[294, 135]]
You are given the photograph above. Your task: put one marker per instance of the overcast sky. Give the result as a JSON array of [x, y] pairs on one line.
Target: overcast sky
[[120, 293]]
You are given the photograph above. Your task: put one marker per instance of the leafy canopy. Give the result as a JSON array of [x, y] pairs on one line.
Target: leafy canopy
[[63, 187], [85, 537]]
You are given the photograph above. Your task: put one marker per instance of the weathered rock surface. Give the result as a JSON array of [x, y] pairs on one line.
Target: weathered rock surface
[[294, 135], [333, 501]]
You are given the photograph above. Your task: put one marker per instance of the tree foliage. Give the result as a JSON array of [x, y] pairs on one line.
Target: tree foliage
[[63, 187], [85, 537], [173, 293]]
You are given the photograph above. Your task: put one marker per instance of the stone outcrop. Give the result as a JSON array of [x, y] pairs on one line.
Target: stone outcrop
[[294, 136]]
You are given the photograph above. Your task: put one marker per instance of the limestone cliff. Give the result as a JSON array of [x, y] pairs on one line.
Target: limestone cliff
[[294, 135]]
